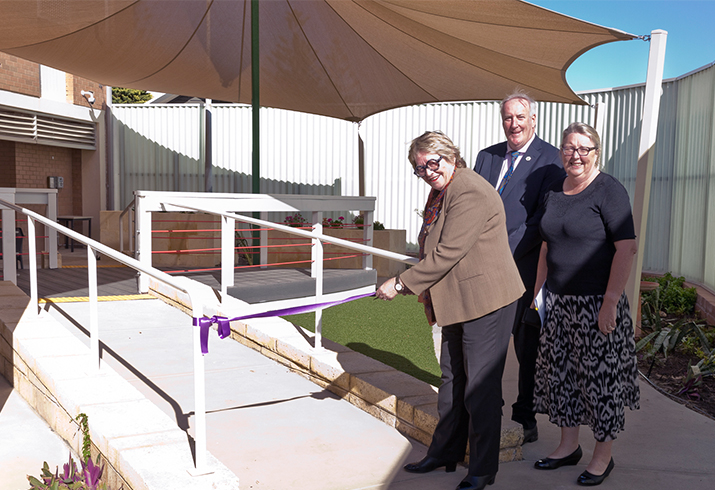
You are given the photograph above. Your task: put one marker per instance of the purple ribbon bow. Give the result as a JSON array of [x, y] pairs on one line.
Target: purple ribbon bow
[[224, 324]]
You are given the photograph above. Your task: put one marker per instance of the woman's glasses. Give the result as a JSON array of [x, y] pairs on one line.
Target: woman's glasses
[[568, 151], [433, 165]]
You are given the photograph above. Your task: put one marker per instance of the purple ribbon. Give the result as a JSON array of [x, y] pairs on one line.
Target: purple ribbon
[[224, 324]]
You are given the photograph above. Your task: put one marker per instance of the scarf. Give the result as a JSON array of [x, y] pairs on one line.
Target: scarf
[[429, 216]]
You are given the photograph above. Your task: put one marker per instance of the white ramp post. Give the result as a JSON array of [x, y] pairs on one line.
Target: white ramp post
[[228, 243], [646, 153], [93, 316], [367, 233], [316, 271], [51, 240], [143, 217], [32, 262], [264, 241], [199, 399]]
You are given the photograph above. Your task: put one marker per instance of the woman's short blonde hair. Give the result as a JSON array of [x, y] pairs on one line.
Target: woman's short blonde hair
[[586, 130], [435, 142]]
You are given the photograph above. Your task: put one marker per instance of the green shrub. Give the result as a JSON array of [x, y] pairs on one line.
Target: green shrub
[[672, 298]]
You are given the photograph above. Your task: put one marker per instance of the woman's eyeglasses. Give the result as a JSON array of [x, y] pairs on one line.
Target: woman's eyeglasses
[[568, 151], [433, 165]]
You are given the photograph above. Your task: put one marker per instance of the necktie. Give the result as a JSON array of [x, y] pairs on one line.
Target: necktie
[[507, 175]]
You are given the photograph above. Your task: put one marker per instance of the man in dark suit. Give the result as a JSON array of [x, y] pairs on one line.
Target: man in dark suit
[[522, 180]]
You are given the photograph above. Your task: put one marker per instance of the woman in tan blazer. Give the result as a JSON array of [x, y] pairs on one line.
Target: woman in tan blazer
[[469, 284]]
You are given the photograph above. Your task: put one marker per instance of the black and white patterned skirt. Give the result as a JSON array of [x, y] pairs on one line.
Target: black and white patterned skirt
[[584, 377]]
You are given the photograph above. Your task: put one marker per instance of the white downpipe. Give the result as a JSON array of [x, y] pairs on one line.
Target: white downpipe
[[646, 153], [93, 313]]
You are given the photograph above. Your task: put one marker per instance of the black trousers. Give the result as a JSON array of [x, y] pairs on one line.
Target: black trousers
[[526, 347], [470, 396]]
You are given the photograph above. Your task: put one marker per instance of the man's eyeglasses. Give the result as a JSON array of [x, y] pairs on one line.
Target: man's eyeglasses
[[568, 151], [433, 165]]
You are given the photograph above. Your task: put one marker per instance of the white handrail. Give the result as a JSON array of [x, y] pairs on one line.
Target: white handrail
[[185, 286], [316, 236]]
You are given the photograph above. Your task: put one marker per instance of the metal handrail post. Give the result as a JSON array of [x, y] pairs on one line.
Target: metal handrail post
[[93, 311]]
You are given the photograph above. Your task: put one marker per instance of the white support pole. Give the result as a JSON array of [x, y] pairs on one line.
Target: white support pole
[[228, 241], [646, 152], [9, 266], [93, 315], [316, 271], [32, 262]]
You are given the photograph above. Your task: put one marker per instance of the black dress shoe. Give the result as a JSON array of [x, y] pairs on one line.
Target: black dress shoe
[[590, 480], [553, 463], [429, 463], [476, 482], [531, 435]]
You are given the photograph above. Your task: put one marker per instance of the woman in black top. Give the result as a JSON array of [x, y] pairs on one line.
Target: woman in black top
[[586, 372]]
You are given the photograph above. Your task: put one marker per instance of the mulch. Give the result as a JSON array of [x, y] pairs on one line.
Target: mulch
[[668, 376]]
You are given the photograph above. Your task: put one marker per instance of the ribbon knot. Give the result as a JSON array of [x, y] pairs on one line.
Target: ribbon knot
[[224, 324]]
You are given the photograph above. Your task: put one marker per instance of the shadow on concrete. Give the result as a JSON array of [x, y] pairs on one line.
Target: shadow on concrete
[[182, 419]]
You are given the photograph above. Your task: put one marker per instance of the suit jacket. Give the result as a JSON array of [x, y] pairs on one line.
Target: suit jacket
[[467, 265], [540, 168]]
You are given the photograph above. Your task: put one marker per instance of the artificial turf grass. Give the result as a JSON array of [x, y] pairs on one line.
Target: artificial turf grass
[[394, 332]]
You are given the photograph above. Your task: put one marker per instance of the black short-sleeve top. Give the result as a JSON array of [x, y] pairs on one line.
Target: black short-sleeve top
[[580, 231]]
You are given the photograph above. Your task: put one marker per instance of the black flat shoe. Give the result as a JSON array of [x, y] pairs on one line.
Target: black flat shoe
[[553, 463], [531, 435], [587, 479], [429, 463], [476, 482]]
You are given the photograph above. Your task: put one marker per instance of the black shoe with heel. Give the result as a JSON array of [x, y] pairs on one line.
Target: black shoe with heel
[[553, 463], [587, 479], [530, 435], [476, 482], [429, 463]]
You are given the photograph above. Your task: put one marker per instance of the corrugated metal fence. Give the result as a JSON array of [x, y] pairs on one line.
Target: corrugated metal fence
[[162, 148]]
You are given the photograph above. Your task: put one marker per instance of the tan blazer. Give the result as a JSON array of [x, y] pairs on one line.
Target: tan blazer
[[468, 265]]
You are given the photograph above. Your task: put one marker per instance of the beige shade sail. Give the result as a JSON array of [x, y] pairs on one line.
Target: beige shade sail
[[341, 58]]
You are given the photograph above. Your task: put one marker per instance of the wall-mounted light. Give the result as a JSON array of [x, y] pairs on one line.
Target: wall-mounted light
[[89, 95]]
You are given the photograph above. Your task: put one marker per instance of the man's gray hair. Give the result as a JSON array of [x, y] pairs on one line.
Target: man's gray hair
[[519, 94]]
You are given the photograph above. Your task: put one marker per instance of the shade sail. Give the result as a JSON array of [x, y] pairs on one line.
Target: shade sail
[[342, 58]]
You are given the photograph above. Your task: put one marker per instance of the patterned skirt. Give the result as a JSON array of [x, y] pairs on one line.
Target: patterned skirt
[[582, 376]]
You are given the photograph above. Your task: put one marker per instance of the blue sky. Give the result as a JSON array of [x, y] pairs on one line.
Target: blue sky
[[690, 42]]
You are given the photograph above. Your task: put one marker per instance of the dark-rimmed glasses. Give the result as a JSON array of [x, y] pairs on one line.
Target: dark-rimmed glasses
[[433, 165], [568, 151]]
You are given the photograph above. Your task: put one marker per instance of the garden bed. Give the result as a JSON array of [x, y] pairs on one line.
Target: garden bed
[[676, 349]]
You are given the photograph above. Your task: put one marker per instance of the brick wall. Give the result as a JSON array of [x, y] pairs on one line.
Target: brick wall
[[20, 76], [34, 163]]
